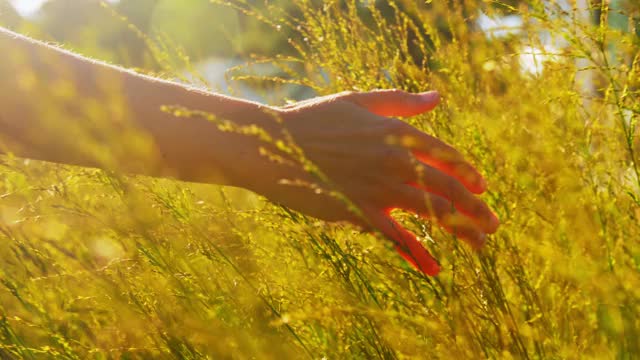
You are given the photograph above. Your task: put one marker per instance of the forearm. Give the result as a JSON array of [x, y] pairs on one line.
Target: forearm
[[378, 163], [48, 90]]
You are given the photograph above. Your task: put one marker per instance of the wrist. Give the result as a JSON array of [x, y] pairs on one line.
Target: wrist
[[232, 142], [246, 152]]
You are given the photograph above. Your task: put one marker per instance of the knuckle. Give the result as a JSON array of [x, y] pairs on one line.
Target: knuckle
[[455, 189], [395, 161], [388, 157], [390, 162], [438, 206], [478, 208], [398, 127]]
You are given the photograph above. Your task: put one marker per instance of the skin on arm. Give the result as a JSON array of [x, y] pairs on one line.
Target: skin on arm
[[190, 149], [377, 162]]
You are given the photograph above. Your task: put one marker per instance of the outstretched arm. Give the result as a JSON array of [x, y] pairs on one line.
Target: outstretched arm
[[378, 163], [46, 88]]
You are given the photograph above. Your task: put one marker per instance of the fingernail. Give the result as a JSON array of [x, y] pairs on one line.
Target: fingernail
[[482, 239], [482, 183], [435, 270], [430, 96], [494, 222], [431, 269]]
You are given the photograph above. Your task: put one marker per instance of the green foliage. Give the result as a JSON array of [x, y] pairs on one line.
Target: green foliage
[[8, 16], [97, 265]]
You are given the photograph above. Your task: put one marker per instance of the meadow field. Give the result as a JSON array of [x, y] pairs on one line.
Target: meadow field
[[95, 264]]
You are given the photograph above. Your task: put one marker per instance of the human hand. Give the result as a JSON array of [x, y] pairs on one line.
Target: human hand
[[380, 164], [377, 163]]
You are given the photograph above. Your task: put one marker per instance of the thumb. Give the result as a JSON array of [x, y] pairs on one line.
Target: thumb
[[395, 102]]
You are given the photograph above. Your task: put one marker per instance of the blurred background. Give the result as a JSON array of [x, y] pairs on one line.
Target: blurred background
[[542, 96], [214, 43]]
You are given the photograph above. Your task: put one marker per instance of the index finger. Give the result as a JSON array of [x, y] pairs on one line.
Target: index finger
[[435, 152]]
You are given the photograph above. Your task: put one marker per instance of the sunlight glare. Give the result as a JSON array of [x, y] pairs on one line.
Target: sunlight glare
[[28, 8]]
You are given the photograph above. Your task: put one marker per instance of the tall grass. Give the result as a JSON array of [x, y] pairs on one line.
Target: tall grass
[[98, 265]]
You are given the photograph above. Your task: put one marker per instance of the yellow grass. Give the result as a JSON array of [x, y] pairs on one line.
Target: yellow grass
[[99, 265]]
